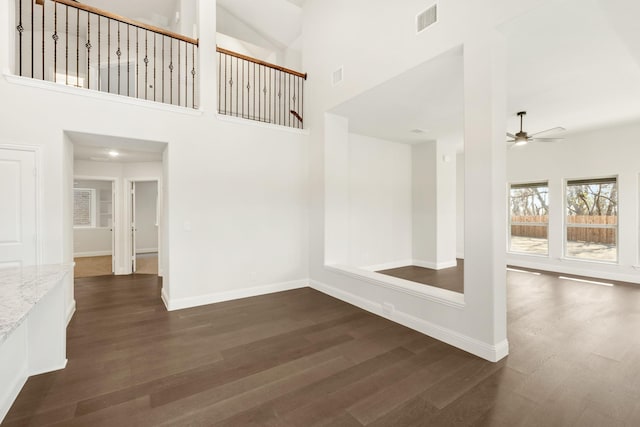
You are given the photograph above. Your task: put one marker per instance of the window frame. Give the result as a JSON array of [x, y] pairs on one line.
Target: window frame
[[566, 224], [92, 204], [510, 223]]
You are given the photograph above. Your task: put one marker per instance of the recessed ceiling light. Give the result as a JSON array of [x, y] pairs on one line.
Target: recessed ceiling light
[[114, 153]]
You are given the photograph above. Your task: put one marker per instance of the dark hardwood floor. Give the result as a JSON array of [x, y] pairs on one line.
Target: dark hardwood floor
[[301, 358], [451, 279]]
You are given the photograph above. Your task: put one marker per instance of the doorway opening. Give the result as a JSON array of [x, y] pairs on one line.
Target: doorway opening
[[93, 226], [145, 222]]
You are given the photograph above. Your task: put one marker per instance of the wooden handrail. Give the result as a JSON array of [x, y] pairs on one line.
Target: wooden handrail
[[259, 62], [115, 17]]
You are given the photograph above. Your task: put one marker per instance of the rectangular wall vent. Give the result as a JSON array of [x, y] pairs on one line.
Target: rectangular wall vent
[[338, 75], [427, 18]]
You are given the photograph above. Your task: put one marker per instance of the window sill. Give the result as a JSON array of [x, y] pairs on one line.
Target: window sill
[[528, 255], [588, 261], [426, 292]]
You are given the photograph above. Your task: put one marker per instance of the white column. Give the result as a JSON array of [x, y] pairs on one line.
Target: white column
[[208, 59], [336, 190], [485, 188]]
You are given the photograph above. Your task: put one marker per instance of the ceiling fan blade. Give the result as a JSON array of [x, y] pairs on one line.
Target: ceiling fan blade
[[510, 135], [546, 139], [558, 129]]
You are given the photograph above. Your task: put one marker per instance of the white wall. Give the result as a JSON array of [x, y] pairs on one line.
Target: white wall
[[610, 151], [379, 202], [146, 217], [424, 197], [369, 57]]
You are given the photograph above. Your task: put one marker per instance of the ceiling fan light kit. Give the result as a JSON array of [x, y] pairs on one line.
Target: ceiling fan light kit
[[522, 138]]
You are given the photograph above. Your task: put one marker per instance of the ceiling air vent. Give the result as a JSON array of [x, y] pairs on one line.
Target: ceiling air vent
[[338, 75], [427, 18]]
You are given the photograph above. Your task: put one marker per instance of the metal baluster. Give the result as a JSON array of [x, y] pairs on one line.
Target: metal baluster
[[55, 42], [43, 13], [193, 74], [178, 80], [302, 103], [225, 83], [186, 74], [66, 51], [88, 46], [243, 62], [219, 82], [32, 40], [77, 47], [119, 54], [146, 63], [99, 84], [254, 90], [137, 64], [237, 87], [128, 62], [108, 55], [171, 72], [155, 59], [20, 29], [163, 52], [270, 94]]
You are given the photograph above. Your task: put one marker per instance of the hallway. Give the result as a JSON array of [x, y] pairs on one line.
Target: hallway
[[302, 358]]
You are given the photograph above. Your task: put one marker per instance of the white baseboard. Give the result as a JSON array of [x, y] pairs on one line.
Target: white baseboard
[[90, 254], [71, 311], [181, 303], [53, 368], [460, 255], [146, 251], [578, 270], [492, 353], [408, 262], [435, 265], [165, 298], [388, 265], [11, 393]]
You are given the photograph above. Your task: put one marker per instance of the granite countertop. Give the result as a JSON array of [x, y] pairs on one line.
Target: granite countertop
[[21, 288]]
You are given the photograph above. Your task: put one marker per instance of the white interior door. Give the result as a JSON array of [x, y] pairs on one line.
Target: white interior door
[[113, 227], [17, 208], [133, 227]]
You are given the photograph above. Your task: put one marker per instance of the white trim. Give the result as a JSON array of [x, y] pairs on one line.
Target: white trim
[[255, 123], [12, 393], [165, 298], [427, 292], [91, 93], [71, 311], [91, 254], [435, 265], [146, 251], [389, 265], [578, 269], [181, 303], [492, 353], [50, 369], [460, 255]]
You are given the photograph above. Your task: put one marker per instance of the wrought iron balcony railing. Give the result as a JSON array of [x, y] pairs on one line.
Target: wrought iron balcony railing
[[257, 90], [70, 43]]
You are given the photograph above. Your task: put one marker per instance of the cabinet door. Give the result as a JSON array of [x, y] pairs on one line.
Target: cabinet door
[[17, 208]]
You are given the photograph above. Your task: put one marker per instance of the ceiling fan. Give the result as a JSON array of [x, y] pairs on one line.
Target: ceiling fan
[[523, 138]]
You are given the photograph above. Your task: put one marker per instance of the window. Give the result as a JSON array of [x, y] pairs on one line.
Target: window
[[592, 219], [529, 218], [84, 212]]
